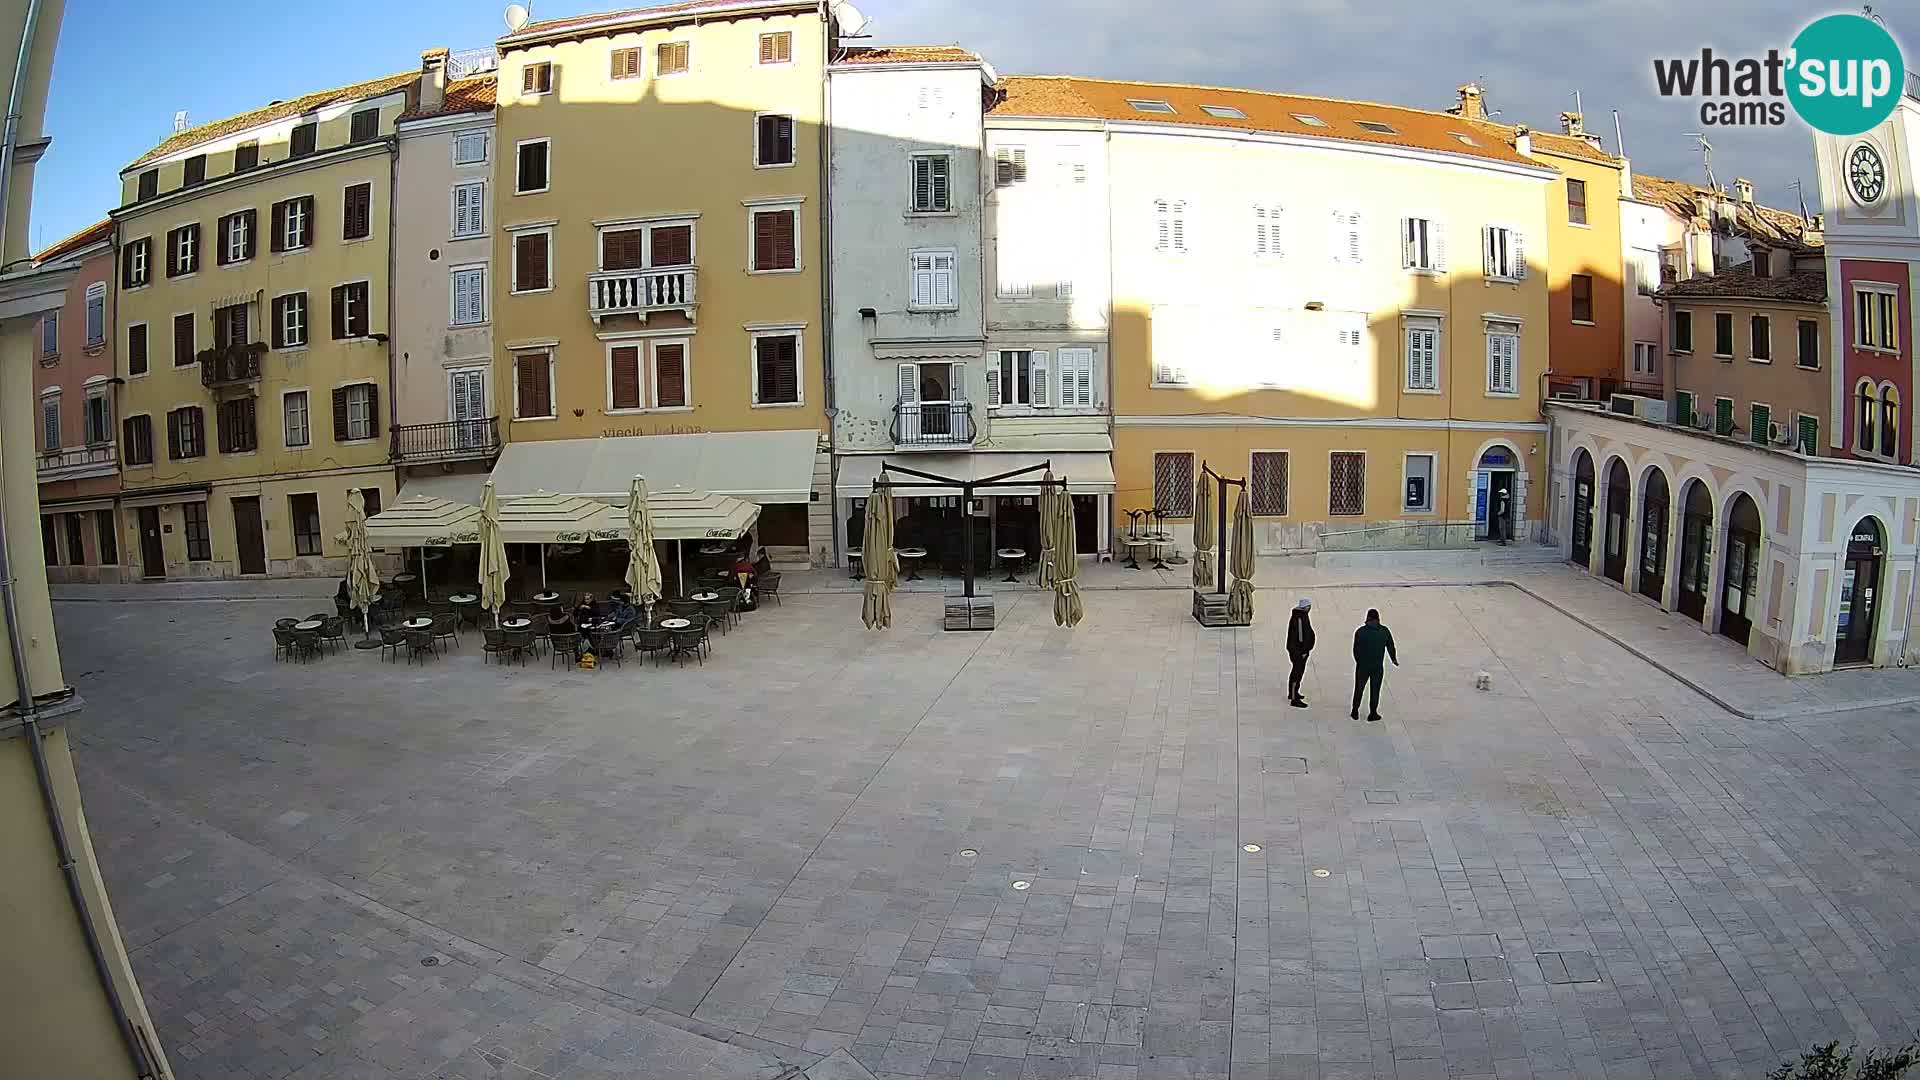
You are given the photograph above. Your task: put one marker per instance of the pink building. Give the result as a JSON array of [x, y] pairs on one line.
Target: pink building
[[76, 384]]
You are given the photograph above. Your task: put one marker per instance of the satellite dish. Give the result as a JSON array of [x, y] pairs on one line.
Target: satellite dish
[[517, 16], [850, 18]]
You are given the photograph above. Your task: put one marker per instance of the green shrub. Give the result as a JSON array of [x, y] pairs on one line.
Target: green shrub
[[1829, 1062]]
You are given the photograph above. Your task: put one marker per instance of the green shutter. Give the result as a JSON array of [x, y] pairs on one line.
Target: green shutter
[[1810, 436], [1762, 430], [1723, 416], [1683, 408]]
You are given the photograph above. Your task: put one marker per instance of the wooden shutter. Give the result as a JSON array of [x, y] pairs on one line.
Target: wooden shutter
[[763, 240], [621, 249], [182, 340], [339, 312], [357, 212], [776, 48], [784, 254], [311, 223], [625, 361], [251, 219], [625, 64], [530, 385], [670, 376], [776, 370], [339, 414], [672, 245], [173, 434], [373, 410], [277, 217], [277, 333], [137, 349], [530, 261], [128, 454]]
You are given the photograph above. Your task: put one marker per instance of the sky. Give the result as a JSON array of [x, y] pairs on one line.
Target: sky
[[124, 67]]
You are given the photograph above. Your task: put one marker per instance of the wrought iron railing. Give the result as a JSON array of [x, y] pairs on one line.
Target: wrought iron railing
[[933, 423], [226, 365], [446, 440]]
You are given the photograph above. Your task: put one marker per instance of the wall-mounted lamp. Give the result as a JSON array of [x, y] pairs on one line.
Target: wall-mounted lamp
[[869, 313], [1315, 305]]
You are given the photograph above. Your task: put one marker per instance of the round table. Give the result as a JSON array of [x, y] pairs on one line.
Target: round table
[[1156, 541], [704, 597], [418, 622], [715, 549], [1133, 544], [1009, 556], [463, 598], [568, 550], [515, 623], [546, 598], [309, 624], [913, 555], [675, 624]]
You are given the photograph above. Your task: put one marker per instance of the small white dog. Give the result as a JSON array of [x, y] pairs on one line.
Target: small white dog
[[1483, 681]]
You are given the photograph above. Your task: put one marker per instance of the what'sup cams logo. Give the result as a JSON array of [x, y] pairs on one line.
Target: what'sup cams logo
[[1842, 75]]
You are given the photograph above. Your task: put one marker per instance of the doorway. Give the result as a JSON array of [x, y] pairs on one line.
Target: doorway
[[1583, 508], [1653, 538], [1493, 494], [1743, 569], [1086, 524], [153, 558], [1696, 551], [249, 542], [1613, 561], [1859, 593]]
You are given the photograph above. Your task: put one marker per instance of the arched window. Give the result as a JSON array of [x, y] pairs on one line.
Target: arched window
[[1889, 421], [1863, 425]]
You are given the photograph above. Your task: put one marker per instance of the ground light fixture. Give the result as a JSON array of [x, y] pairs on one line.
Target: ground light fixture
[[1022, 886], [1250, 849], [1321, 871]]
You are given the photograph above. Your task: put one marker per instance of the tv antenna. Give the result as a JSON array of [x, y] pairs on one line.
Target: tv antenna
[[1706, 157], [517, 16], [1800, 190]]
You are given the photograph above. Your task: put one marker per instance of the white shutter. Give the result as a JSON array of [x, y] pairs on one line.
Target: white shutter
[[1180, 225], [1038, 396], [1409, 244], [1076, 378], [1517, 251], [1337, 236], [1259, 230], [942, 280], [1511, 350], [1437, 237], [993, 382], [941, 184], [1355, 242], [1162, 227], [922, 280], [1486, 251], [909, 383]]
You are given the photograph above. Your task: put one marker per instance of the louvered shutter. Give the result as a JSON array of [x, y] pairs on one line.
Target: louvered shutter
[[626, 376], [250, 419], [173, 435], [1259, 230], [529, 78], [923, 183], [943, 274], [942, 183], [277, 216], [907, 381], [763, 241], [1337, 236], [922, 280], [339, 312], [530, 262], [339, 414], [670, 376], [526, 394], [1038, 396], [621, 250], [250, 220], [1437, 238], [1409, 243], [672, 245], [1486, 251], [766, 48], [461, 289], [310, 223], [993, 383], [783, 240], [1356, 245], [1163, 227], [1517, 251], [373, 410]]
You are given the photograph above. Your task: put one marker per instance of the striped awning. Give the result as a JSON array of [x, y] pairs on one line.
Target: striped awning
[[424, 521], [545, 517]]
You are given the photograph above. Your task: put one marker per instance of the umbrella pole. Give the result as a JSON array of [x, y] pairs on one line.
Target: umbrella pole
[[543, 566], [1220, 535], [680, 564]]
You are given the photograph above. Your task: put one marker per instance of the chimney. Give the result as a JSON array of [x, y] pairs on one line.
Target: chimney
[[433, 79], [1779, 262], [1574, 124], [1523, 140], [1471, 106], [1701, 243], [1743, 189], [180, 121]]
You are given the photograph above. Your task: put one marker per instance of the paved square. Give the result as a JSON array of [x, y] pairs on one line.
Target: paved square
[[358, 869]]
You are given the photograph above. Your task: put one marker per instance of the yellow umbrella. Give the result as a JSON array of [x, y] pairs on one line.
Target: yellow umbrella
[[493, 555], [877, 610], [1203, 537], [1048, 540], [643, 565], [363, 581], [1240, 564], [1067, 608]]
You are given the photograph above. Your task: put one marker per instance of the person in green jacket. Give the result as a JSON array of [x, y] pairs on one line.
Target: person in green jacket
[[1372, 647]]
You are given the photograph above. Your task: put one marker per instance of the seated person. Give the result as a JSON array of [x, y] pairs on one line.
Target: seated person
[[561, 624], [583, 613], [744, 571], [624, 613]]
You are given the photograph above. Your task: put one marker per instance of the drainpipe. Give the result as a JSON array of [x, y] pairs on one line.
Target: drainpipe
[[1906, 637], [826, 283], [9, 609]]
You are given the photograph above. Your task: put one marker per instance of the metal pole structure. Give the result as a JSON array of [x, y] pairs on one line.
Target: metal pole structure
[[1220, 562], [966, 535], [967, 488]]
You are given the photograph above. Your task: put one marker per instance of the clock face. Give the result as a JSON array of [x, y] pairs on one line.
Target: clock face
[[1866, 175]]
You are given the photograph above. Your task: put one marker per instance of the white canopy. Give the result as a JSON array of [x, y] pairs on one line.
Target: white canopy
[[546, 518], [1085, 474], [424, 521], [763, 466]]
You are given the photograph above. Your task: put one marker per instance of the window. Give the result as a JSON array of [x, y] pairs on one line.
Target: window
[[1076, 378], [1582, 295], [1375, 126], [1173, 484], [1224, 112], [776, 48], [133, 264], [1645, 267], [1018, 377], [1723, 416], [1809, 342], [671, 58], [1643, 360], [1889, 421], [50, 336], [149, 185], [356, 212], [776, 239], [290, 321], [1807, 439], [96, 314], [1423, 358], [1759, 424], [1503, 253], [670, 245], [194, 171], [182, 340], [1876, 318], [1577, 201], [1761, 328], [1266, 231], [306, 137], [136, 440], [137, 349], [350, 310], [669, 375], [235, 421], [536, 78], [932, 184], [469, 288], [193, 518], [295, 420], [469, 208], [532, 269], [1347, 484], [356, 412], [1723, 334], [1267, 483], [1683, 408], [773, 140], [533, 386], [236, 238], [1348, 241], [293, 224], [103, 532], [50, 421], [1869, 411], [1149, 106], [1503, 360], [1423, 244], [1170, 225], [364, 126], [76, 540], [530, 174], [370, 499], [49, 543], [776, 369], [1309, 119], [230, 326], [1009, 166], [186, 433], [1418, 498], [246, 155], [623, 249], [1682, 331], [470, 148], [624, 63], [183, 250], [623, 377], [305, 509], [932, 278]]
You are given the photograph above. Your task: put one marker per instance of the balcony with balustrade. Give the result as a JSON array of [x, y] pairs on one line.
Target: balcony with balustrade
[[78, 463], [932, 425], [233, 365], [642, 292], [451, 440]]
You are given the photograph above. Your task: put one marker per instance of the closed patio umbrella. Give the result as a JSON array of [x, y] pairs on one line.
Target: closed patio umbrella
[[363, 581], [493, 555], [1203, 538], [1067, 609], [1240, 564], [1049, 538], [877, 609], [643, 565]]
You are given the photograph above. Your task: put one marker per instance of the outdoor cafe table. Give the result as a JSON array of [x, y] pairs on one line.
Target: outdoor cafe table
[[516, 623], [913, 555], [715, 549], [675, 624], [704, 597], [309, 624], [546, 598], [418, 623], [467, 604]]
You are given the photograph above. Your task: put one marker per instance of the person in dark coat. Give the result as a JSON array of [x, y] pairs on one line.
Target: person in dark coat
[[1299, 644], [1372, 647]]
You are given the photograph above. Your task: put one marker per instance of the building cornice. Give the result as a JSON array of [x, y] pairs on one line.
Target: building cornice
[[35, 290], [1369, 422], [235, 181], [432, 125]]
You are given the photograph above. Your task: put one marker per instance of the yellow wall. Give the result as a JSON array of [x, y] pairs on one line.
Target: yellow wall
[[1593, 249], [276, 515], [601, 168], [335, 131]]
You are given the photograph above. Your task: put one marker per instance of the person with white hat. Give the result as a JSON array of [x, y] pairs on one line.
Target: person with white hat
[[1299, 644]]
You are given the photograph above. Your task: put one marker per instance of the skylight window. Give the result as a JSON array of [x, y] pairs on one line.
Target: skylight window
[[1224, 112], [1467, 139], [1375, 125], [1309, 119], [1143, 105]]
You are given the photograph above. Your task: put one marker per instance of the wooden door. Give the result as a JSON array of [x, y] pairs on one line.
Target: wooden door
[[247, 537], [153, 558]]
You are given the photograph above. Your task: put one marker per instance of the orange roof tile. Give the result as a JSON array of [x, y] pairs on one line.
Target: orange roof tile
[[907, 54], [472, 94], [1687, 200], [92, 234], [641, 14], [206, 133], [1071, 96], [1550, 142]]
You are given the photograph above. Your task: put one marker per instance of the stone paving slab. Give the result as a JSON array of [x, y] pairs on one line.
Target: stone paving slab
[[1016, 854]]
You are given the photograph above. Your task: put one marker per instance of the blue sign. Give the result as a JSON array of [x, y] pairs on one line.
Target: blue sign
[[1496, 457]]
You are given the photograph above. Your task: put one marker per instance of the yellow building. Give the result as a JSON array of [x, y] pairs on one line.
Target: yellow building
[[1343, 302], [252, 323], [658, 255]]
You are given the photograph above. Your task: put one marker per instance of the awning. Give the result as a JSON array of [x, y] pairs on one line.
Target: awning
[[929, 349], [547, 518], [452, 487], [133, 498], [1085, 474], [762, 466], [698, 515], [424, 521]]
